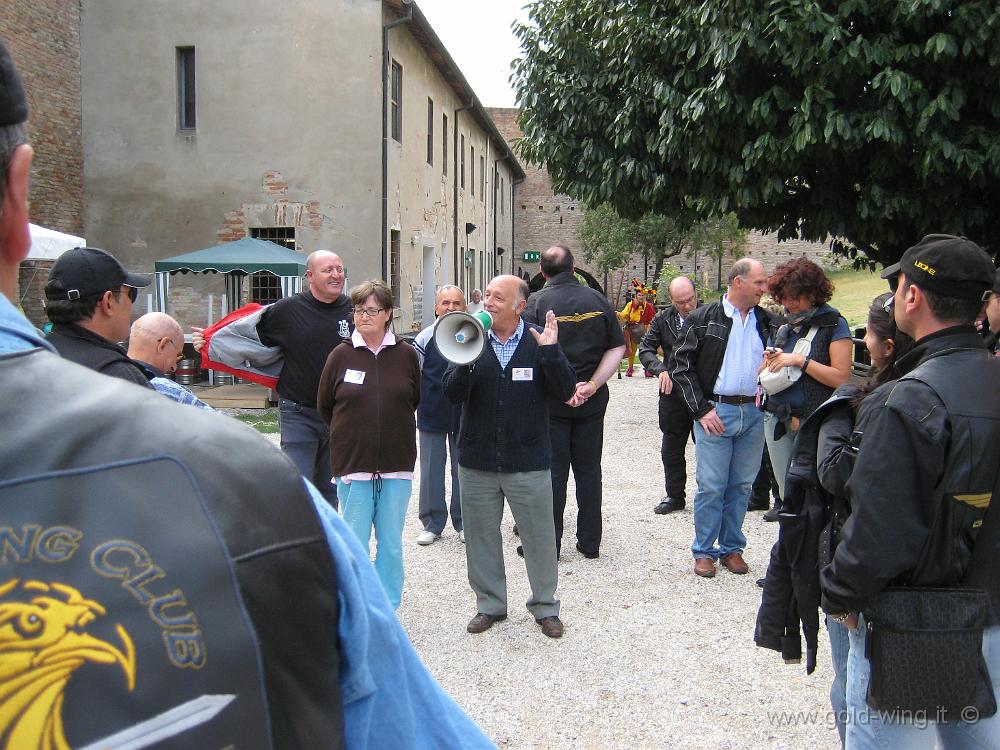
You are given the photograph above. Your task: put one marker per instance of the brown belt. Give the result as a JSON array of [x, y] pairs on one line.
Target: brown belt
[[734, 400]]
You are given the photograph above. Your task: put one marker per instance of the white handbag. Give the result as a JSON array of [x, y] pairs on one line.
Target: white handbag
[[776, 382]]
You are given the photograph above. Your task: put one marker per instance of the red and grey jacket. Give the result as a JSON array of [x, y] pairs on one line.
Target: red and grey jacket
[[232, 345]]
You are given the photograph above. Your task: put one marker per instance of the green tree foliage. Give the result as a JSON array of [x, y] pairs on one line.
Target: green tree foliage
[[612, 242], [874, 121]]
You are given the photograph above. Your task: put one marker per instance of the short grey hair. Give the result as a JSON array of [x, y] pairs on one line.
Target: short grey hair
[[447, 288], [740, 268]]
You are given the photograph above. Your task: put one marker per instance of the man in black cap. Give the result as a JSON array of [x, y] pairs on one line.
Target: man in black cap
[[923, 479], [89, 297]]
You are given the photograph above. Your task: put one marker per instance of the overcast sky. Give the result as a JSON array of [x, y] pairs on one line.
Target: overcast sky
[[477, 35]]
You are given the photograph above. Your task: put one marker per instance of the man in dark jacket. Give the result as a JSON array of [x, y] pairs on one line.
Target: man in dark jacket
[[924, 474], [437, 423], [714, 368], [89, 297], [675, 419], [591, 338], [503, 452]]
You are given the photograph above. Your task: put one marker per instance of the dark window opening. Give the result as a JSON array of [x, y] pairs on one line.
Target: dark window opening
[[482, 178], [430, 131], [472, 170], [186, 110], [444, 144], [461, 173], [265, 288], [279, 235], [396, 97]]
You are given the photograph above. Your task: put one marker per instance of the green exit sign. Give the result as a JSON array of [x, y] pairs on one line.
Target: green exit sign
[[532, 255]]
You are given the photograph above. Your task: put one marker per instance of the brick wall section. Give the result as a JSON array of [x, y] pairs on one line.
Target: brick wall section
[[43, 37]]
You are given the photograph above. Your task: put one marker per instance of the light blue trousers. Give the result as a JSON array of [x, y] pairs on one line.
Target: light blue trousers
[[380, 504]]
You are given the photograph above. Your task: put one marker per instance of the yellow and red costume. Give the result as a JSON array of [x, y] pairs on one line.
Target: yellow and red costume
[[635, 317]]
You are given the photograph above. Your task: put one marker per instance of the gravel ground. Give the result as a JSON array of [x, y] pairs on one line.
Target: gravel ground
[[652, 657]]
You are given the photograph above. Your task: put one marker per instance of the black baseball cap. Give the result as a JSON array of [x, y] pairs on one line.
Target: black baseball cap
[[947, 265], [13, 103], [84, 271]]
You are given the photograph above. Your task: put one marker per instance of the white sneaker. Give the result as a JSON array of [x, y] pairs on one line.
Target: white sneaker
[[426, 537], [461, 536]]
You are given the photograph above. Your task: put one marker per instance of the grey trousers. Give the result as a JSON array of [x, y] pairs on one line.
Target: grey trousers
[[529, 495], [434, 447]]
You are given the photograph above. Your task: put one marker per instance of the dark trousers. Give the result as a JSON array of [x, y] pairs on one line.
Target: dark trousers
[[675, 424], [764, 483], [305, 438], [578, 442]]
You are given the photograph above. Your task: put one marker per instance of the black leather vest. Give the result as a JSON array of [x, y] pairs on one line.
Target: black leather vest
[[973, 460], [159, 559]]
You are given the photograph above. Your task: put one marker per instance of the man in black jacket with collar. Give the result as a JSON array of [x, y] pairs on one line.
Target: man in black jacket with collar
[[714, 368], [591, 337], [675, 420], [89, 297], [927, 463]]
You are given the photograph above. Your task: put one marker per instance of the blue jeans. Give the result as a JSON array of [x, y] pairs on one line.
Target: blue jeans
[[840, 645], [867, 729], [363, 507], [434, 449], [305, 439], [727, 464]]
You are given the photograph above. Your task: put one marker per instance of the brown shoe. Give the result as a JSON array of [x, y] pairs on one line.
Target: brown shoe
[[483, 622], [704, 567], [551, 626], [734, 563]]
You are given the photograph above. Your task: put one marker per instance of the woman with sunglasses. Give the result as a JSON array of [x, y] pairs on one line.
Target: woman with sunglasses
[[368, 392]]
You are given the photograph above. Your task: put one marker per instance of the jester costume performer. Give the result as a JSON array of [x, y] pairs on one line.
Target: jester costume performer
[[635, 317]]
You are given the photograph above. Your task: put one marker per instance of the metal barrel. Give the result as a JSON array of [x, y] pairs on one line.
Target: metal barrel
[[187, 372]]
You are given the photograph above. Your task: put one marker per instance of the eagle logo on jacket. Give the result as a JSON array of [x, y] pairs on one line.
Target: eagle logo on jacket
[[43, 641]]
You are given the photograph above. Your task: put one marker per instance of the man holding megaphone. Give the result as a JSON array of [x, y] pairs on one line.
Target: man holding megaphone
[[504, 447]]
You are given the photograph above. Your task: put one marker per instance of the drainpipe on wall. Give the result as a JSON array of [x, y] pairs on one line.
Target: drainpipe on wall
[[455, 178], [385, 135]]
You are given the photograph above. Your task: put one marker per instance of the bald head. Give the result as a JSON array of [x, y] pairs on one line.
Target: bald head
[[557, 259], [156, 339], [683, 295], [325, 274]]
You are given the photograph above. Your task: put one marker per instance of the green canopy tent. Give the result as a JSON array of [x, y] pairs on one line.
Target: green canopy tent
[[234, 260]]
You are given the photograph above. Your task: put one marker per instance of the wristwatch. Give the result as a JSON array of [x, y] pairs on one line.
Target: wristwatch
[[805, 363]]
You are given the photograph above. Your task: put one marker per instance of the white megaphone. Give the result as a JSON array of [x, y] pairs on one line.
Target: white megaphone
[[460, 337]]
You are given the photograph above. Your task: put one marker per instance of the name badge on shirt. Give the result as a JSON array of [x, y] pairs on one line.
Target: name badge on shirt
[[354, 376], [523, 373]]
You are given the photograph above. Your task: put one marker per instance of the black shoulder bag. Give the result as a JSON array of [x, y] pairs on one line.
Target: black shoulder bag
[[925, 645]]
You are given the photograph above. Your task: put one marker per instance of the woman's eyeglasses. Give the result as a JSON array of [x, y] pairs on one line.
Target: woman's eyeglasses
[[370, 312]]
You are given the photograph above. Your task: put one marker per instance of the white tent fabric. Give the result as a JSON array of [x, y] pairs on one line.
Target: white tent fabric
[[48, 244]]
